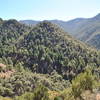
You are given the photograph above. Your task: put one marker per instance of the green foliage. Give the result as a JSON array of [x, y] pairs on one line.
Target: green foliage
[[43, 49], [26, 81], [86, 30], [26, 96], [82, 82], [40, 93], [49, 48], [49, 53], [58, 98]]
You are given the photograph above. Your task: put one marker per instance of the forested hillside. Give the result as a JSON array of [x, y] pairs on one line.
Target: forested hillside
[[51, 49], [42, 55], [85, 29]]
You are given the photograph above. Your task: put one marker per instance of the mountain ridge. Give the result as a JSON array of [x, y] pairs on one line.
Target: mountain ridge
[[43, 54], [85, 29]]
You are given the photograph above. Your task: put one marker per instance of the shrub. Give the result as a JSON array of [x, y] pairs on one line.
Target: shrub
[[25, 96], [58, 98], [41, 93], [82, 82]]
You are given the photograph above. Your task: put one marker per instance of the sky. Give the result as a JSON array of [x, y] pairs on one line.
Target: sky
[[48, 9]]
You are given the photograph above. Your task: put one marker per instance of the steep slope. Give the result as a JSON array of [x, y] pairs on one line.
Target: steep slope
[[95, 41], [43, 54], [72, 25], [47, 48], [89, 32], [89, 28]]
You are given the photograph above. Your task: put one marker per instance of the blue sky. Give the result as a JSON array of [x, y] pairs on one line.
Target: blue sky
[[48, 9]]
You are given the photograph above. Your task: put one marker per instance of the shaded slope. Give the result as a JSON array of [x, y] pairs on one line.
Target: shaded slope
[[45, 48], [48, 48]]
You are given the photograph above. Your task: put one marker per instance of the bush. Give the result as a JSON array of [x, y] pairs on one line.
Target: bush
[[82, 82], [58, 98], [41, 93], [26, 96]]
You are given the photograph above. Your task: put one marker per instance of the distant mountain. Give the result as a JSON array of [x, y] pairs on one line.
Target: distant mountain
[[85, 29], [29, 22], [89, 31], [33, 22]]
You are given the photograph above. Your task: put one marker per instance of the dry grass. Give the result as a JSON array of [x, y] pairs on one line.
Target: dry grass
[[7, 74], [53, 94]]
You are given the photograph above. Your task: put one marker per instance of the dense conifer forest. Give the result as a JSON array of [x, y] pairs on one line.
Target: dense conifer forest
[[43, 62]]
